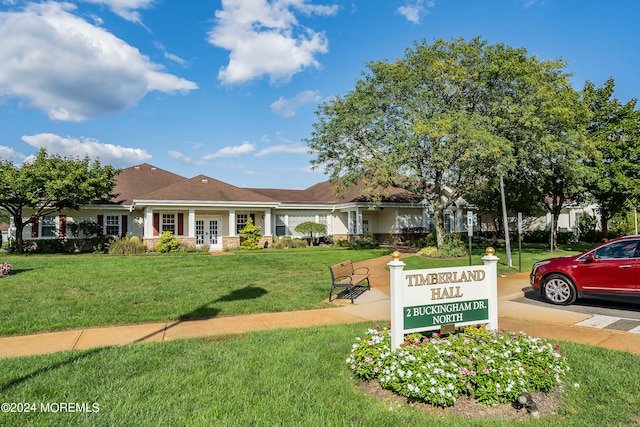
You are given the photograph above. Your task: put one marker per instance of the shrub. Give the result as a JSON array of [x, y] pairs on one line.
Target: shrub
[[5, 269], [250, 236], [416, 236], [491, 366], [288, 242], [537, 236], [368, 241], [454, 248], [127, 245], [342, 243], [168, 243]]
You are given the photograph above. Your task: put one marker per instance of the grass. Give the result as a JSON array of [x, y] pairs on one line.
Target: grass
[[520, 261], [273, 378], [56, 292]]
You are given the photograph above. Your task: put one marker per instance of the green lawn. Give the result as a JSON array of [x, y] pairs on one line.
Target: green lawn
[[520, 261], [273, 378], [48, 293], [57, 292]]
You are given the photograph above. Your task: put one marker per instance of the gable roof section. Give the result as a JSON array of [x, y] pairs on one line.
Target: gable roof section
[[323, 193], [135, 181], [205, 189]]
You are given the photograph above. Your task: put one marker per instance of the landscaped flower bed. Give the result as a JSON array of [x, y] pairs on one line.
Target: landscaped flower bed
[[491, 366], [5, 269]]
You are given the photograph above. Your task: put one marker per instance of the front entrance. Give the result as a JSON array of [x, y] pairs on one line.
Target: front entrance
[[208, 233]]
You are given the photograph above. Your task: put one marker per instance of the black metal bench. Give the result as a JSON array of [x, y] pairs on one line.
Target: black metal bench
[[344, 275]]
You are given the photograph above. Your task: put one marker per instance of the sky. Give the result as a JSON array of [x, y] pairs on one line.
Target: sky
[[229, 89]]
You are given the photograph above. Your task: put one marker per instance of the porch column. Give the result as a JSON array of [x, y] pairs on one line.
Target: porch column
[[191, 223], [425, 218], [358, 221], [350, 223], [459, 218], [267, 223], [148, 222], [232, 222]]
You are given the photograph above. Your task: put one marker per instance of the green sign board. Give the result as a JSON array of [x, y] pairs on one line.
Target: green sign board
[[424, 316]]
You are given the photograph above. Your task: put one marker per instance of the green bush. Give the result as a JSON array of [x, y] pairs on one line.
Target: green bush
[[127, 245], [454, 248], [250, 236], [287, 242], [342, 243], [168, 243]]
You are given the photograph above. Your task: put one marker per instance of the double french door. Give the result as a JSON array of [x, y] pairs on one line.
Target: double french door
[[208, 233]]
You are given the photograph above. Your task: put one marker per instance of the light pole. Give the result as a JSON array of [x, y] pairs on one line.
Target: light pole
[[504, 220]]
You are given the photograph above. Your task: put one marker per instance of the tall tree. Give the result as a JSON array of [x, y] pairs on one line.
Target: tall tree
[[50, 183], [441, 119], [615, 130]]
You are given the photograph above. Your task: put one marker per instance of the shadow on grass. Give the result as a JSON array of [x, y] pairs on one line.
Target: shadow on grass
[[204, 311], [71, 360]]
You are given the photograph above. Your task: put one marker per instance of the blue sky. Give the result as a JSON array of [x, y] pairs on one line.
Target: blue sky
[[229, 88]]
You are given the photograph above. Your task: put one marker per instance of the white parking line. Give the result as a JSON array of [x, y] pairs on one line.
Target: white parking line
[[598, 321], [635, 330]]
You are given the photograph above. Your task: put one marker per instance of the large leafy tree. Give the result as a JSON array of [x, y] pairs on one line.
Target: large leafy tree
[[50, 183], [551, 161], [615, 130], [441, 119]]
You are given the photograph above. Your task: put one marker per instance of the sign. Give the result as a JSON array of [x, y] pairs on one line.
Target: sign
[[426, 300], [470, 223]]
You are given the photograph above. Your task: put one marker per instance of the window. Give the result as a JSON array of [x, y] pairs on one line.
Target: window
[[168, 223], [112, 224], [49, 226], [295, 220], [241, 221], [281, 226], [617, 250]]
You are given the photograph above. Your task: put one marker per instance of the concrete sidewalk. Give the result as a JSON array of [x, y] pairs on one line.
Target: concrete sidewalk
[[373, 305]]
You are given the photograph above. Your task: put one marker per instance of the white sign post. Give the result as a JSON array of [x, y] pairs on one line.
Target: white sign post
[[426, 300]]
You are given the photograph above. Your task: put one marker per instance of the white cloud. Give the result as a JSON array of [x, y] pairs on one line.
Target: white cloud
[[287, 107], [232, 151], [183, 158], [125, 8], [71, 69], [8, 153], [282, 148], [107, 153], [414, 10], [265, 38]]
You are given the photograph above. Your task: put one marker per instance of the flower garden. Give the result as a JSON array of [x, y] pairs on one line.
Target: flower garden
[[490, 366], [5, 269]]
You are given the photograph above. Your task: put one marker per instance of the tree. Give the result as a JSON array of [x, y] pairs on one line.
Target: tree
[[615, 130], [441, 119], [50, 183], [311, 227]]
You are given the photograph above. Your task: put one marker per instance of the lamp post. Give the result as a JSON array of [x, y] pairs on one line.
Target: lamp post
[[504, 219]]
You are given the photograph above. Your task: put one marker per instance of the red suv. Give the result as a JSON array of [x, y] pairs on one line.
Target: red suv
[[609, 271]]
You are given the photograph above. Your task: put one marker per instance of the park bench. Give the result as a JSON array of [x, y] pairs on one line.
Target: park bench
[[344, 275]]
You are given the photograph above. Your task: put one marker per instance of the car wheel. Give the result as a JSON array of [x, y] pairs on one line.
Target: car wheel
[[558, 289]]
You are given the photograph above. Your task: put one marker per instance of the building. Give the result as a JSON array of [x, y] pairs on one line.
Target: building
[[205, 212]]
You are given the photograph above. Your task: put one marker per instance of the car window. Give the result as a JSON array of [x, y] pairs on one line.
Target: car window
[[618, 250]]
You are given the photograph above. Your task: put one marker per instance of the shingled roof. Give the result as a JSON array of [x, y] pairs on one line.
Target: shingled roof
[[147, 182], [135, 181], [324, 193], [204, 188]]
